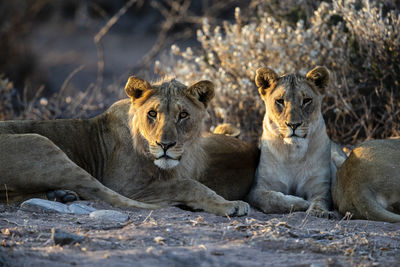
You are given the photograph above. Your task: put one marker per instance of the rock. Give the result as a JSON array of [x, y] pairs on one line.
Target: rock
[[79, 208], [41, 205], [109, 216], [63, 238]]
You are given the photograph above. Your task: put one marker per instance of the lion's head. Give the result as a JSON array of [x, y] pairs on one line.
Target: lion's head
[[293, 102], [167, 117]]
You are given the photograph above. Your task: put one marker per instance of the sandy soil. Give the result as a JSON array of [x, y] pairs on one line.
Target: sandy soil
[[174, 237]]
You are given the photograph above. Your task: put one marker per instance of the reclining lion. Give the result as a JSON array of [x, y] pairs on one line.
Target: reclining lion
[[148, 148], [368, 183], [297, 156]]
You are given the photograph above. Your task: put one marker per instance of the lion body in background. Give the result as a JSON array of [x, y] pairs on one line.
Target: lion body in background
[[368, 183], [149, 148]]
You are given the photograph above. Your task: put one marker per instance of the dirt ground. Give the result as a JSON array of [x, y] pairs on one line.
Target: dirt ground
[[175, 237]]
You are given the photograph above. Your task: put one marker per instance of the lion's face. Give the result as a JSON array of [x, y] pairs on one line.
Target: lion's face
[[168, 117], [293, 102]]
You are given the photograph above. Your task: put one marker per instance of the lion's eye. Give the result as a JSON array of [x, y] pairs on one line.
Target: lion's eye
[[152, 113], [280, 101], [306, 101], [183, 115]]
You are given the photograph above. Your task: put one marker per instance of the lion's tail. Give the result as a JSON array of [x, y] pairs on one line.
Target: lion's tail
[[370, 208]]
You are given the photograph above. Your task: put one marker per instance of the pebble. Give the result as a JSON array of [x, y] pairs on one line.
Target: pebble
[[42, 205], [109, 216], [79, 208], [101, 216], [63, 238]]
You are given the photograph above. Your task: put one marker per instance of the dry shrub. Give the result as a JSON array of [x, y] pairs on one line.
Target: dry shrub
[[17, 60], [85, 104], [30, 101], [357, 40], [8, 97]]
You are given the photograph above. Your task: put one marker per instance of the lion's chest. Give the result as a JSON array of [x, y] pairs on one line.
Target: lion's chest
[[290, 174]]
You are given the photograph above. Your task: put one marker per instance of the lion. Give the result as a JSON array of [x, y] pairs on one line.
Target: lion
[[295, 168], [147, 151], [368, 183]]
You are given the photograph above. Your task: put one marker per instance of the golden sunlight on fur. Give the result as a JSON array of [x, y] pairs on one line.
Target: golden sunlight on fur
[[295, 167], [149, 148], [368, 183]]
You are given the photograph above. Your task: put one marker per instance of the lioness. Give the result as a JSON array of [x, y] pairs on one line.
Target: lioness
[[294, 172], [149, 148], [368, 183]]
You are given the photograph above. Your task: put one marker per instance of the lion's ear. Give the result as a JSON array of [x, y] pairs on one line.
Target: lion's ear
[[265, 78], [319, 76], [203, 91], [135, 87]]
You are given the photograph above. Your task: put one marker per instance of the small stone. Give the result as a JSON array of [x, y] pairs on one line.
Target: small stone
[[63, 238], [159, 240], [41, 205], [79, 208], [109, 216]]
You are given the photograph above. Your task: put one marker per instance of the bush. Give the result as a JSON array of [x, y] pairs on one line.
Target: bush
[[358, 41], [85, 104]]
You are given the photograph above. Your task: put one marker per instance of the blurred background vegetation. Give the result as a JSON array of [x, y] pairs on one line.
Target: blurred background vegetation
[[71, 58]]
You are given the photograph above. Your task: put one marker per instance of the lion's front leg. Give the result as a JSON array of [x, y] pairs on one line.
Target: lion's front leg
[[30, 164], [192, 194], [320, 198], [270, 201], [319, 207]]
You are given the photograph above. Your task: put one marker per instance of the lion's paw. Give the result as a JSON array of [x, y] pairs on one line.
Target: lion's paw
[[62, 196], [239, 208], [297, 203], [317, 211]]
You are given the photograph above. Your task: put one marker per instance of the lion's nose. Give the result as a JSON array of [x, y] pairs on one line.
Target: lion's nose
[[294, 126], [165, 145]]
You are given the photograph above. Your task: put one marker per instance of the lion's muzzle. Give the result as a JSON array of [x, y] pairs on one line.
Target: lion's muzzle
[[295, 133], [166, 145], [167, 155]]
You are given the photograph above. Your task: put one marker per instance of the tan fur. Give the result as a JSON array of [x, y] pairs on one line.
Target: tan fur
[[227, 129], [148, 148], [368, 183], [295, 167]]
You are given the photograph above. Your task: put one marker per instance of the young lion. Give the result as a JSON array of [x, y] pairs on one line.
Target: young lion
[[148, 148], [295, 167]]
